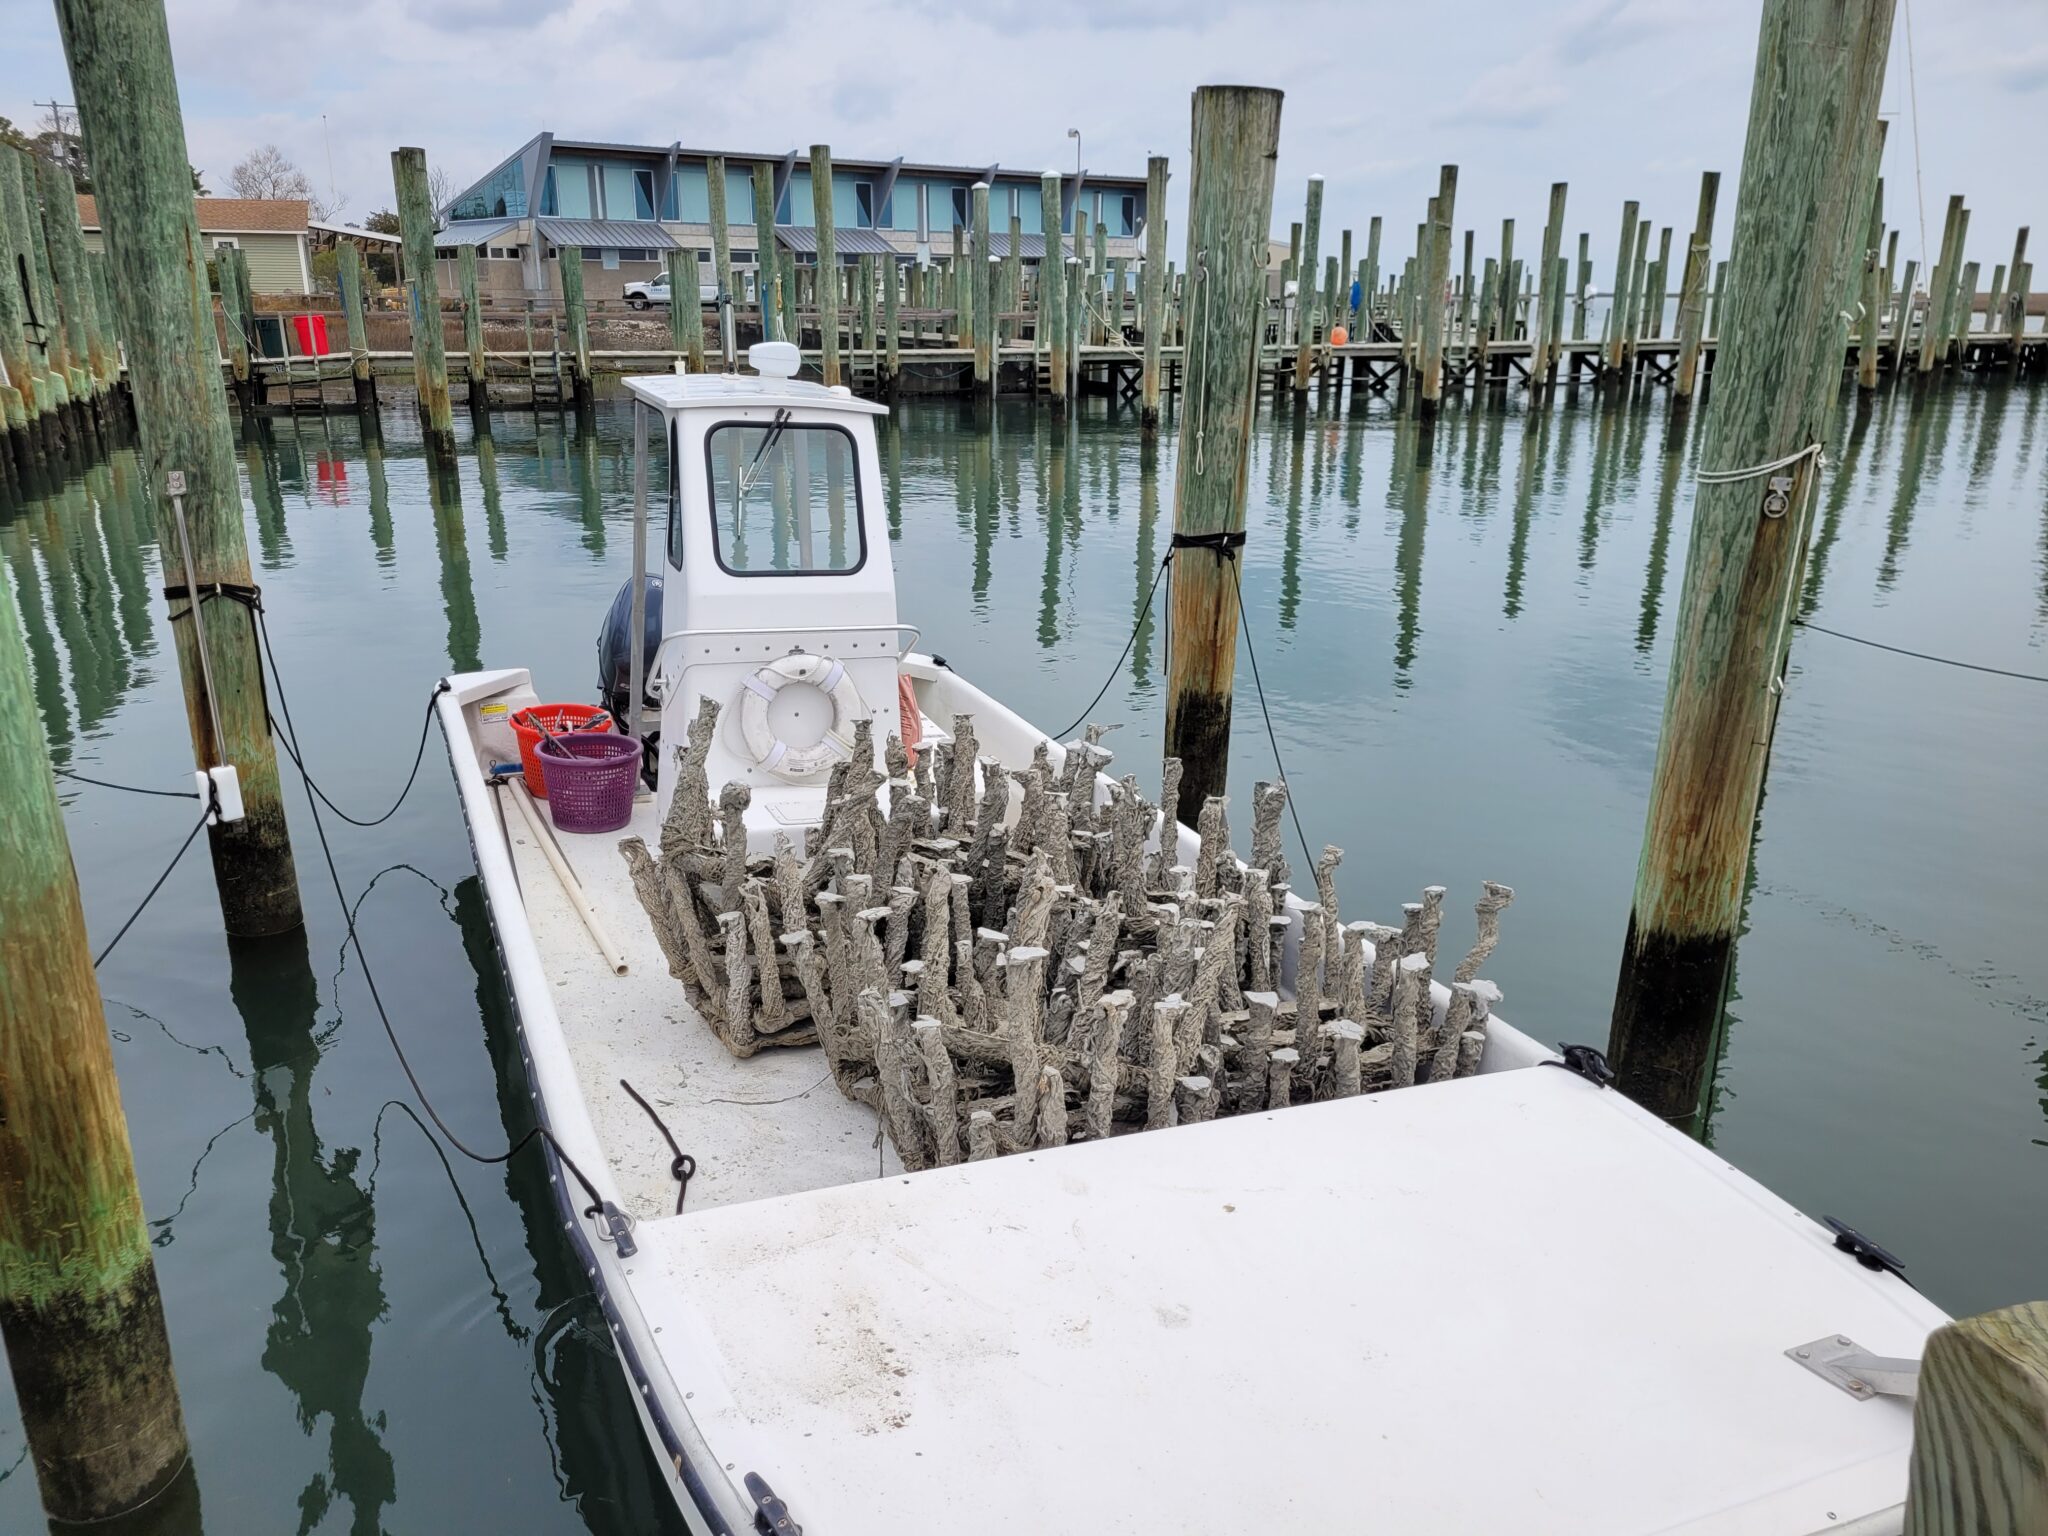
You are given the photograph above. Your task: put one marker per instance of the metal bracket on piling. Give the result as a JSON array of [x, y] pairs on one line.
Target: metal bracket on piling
[[1840, 1361]]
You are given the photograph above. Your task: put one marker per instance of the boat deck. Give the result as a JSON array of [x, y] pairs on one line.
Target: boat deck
[[1513, 1302], [773, 1124]]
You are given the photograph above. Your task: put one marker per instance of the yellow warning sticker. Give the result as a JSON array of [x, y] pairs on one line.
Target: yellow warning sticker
[[493, 713]]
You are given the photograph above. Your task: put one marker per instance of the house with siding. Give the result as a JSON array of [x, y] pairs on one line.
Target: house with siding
[[625, 206], [271, 233]]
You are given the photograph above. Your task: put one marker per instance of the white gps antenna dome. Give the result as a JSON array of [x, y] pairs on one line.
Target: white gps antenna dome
[[774, 359]]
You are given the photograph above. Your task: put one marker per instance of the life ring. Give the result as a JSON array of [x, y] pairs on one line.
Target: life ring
[[829, 677]]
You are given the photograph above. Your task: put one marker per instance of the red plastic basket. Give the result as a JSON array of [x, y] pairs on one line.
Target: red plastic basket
[[558, 718], [590, 777]]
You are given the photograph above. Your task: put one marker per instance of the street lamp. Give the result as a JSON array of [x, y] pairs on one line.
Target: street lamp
[[1075, 135]]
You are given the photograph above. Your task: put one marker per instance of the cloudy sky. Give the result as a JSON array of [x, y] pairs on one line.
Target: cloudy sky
[[1621, 98]]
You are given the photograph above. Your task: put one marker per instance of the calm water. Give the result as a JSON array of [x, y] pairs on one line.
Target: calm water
[[1464, 651]]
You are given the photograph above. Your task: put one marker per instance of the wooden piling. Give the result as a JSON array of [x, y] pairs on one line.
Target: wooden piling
[[721, 236], [1653, 309], [1801, 202], [1939, 282], [984, 308], [73, 288], [1980, 1427], [1584, 280], [767, 268], [1952, 291], [1051, 324], [1963, 309], [1543, 349], [1466, 297], [685, 308], [1304, 290], [828, 261], [348, 268], [127, 94], [473, 330], [1372, 277], [1442, 215], [429, 359], [1617, 304], [1692, 288], [1236, 134], [892, 357], [577, 320], [1152, 280], [238, 323], [27, 397], [63, 368], [80, 1311], [2019, 274]]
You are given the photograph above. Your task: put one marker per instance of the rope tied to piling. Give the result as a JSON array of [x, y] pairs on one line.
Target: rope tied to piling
[[1730, 476]]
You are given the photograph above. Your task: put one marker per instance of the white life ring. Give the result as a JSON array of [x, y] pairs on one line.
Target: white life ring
[[778, 756]]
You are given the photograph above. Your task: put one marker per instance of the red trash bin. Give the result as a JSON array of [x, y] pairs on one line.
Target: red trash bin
[[312, 334]]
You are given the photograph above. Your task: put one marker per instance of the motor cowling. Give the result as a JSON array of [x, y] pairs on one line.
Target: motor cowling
[[615, 663]]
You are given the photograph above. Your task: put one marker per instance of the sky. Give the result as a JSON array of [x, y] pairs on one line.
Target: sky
[[1620, 98]]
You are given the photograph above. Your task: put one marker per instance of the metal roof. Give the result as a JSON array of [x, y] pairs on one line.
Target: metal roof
[[803, 239], [641, 233], [1029, 247], [460, 232]]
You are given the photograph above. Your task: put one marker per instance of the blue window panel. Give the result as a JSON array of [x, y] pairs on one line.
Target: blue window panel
[[618, 190], [668, 196], [739, 195], [800, 210], [845, 215], [1030, 211], [547, 194], [695, 207], [572, 189]]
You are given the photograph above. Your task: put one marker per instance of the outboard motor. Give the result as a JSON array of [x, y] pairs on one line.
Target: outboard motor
[[615, 667]]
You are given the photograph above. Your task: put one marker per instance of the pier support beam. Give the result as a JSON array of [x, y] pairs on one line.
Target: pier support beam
[[1442, 215], [473, 331], [1801, 205], [1871, 326], [577, 318], [828, 261], [1617, 304], [1230, 207], [983, 299], [1692, 288], [429, 353], [349, 273], [767, 270], [1542, 331], [23, 396], [79, 1306], [1153, 279], [1051, 323], [127, 93], [1304, 292]]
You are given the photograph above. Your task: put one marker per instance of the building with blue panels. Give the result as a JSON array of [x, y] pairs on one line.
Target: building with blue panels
[[627, 205]]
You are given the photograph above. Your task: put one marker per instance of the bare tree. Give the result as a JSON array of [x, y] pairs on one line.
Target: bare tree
[[266, 174], [440, 187]]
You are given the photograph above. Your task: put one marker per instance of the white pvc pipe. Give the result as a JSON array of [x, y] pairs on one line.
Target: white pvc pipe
[[523, 798]]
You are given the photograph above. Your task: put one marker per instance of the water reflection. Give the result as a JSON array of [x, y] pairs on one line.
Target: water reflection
[[1413, 447], [1926, 423], [1673, 459], [458, 597], [323, 1234]]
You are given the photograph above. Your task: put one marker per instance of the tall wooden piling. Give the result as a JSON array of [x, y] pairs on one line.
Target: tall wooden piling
[[237, 323], [429, 358], [1372, 277], [1939, 282], [1304, 292], [1442, 214], [767, 269], [72, 289], [1152, 280], [721, 236], [892, 357], [1543, 343], [348, 270], [1952, 290], [984, 308], [1692, 288], [685, 308], [1230, 206], [576, 318], [63, 368], [1660, 273], [80, 1311], [1801, 202], [1583, 280], [828, 260], [1617, 304], [2018, 278], [1962, 307], [1052, 304], [1869, 328], [473, 330], [1466, 295], [122, 76], [26, 396]]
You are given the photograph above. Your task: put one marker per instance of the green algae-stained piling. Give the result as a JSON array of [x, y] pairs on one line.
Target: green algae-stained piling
[[1692, 287], [79, 1306], [577, 319], [685, 313], [892, 357], [1617, 303], [472, 329], [721, 237], [1542, 334], [767, 270], [121, 73], [57, 359], [1442, 214], [429, 355], [1802, 200], [349, 275], [1304, 292], [1951, 293], [29, 399], [828, 261], [1939, 281], [984, 307], [1052, 305], [67, 277], [1152, 281], [1230, 206]]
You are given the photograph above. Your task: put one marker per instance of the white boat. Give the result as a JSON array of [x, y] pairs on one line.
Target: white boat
[[1508, 1301]]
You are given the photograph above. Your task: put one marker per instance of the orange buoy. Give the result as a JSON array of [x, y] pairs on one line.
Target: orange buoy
[[1338, 335]]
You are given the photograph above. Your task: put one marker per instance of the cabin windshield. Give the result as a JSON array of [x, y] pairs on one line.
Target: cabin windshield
[[785, 498]]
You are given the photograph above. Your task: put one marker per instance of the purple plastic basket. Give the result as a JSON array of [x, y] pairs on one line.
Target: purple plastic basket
[[590, 777]]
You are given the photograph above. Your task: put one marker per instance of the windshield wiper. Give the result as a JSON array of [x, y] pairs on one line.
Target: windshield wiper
[[753, 469]]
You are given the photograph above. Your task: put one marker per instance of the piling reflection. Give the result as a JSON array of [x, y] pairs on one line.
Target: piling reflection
[[1528, 471], [53, 699], [323, 1233], [1414, 446], [494, 503], [1926, 423], [266, 493], [1290, 537], [1828, 524], [458, 596], [1668, 476], [1144, 600], [1062, 477]]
